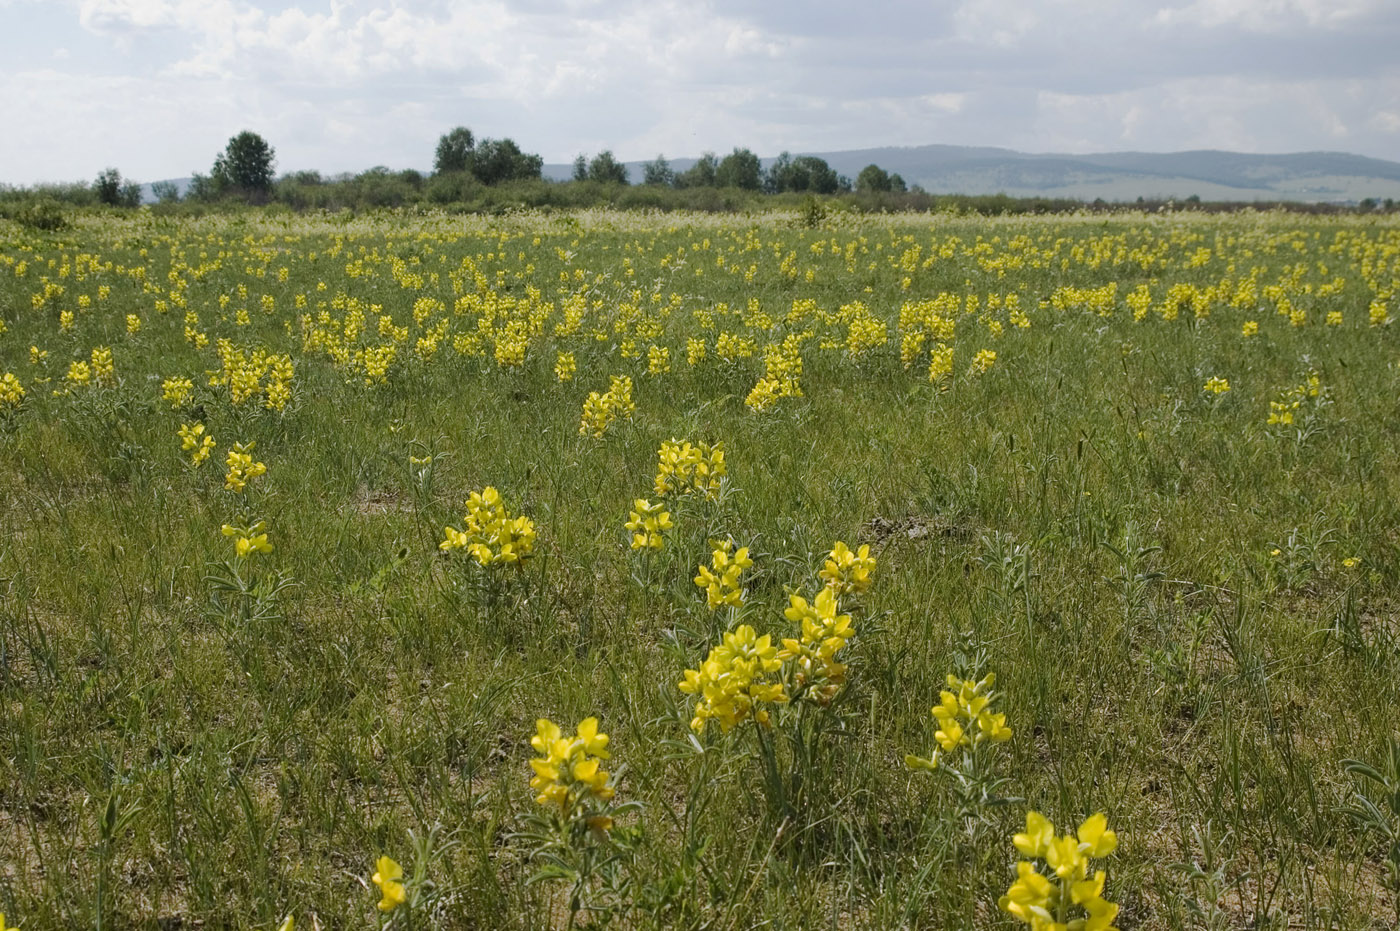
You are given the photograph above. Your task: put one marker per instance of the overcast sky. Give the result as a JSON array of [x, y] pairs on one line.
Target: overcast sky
[[156, 87]]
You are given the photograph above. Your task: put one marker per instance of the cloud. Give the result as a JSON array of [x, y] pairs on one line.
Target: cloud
[[1271, 16], [345, 84]]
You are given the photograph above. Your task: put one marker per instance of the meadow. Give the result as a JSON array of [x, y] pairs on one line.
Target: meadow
[[332, 548]]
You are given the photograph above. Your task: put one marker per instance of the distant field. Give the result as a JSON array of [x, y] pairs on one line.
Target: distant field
[[256, 633]]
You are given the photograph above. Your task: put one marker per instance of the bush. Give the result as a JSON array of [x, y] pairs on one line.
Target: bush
[[42, 214]]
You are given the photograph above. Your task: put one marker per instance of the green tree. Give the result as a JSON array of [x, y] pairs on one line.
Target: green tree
[[112, 190], [454, 151], [897, 184], [603, 167], [496, 160], [245, 166], [740, 169], [108, 186], [581, 168], [778, 176], [872, 178], [658, 173], [804, 173], [701, 174], [167, 192]]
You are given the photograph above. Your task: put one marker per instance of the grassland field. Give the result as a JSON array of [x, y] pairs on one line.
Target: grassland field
[[1142, 469]]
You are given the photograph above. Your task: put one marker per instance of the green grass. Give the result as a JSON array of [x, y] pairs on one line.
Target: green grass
[[1083, 513]]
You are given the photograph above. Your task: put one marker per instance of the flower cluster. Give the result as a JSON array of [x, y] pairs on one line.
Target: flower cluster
[[565, 366], [11, 391], [241, 467], [1047, 900], [104, 370], [79, 375], [1291, 400], [734, 682], [247, 540], [720, 579], [846, 572], [600, 410], [782, 363], [568, 773], [965, 719], [177, 391], [243, 372], [683, 468], [824, 633], [490, 535], [648, 523], [194, 441], [1216, 385]]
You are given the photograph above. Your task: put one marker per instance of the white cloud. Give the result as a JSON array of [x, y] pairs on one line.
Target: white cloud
[[1269, 15], [157, 86]]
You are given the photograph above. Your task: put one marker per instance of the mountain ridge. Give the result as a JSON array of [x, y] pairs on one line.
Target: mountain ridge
[[1210, 174]]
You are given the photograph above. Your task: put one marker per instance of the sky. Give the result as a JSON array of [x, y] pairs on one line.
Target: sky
[[155, 88]]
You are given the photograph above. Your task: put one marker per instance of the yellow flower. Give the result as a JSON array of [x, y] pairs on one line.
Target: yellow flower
[[11, 394], [388, 877], [962, 705], [177, 391], [720, 579], [1216, 385], [491, 536], [734, 680], [1045, 902], [683, 468], [1065, 858], [194, 442], [241, 467], [247, 540], [1094, 837], [648, 523], [1030, 898], [568, 774], [845, 571], [1039, 833]]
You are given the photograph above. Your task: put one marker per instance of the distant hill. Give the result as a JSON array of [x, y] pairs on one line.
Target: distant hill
[[1210, 174], [1115, 176]]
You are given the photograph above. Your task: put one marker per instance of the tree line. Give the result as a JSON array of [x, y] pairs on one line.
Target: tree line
[[244, 171], [742, 170], [490, 174]]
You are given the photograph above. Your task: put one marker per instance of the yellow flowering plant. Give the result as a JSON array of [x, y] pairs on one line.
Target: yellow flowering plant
[[1058, 893], [846, 572], [721, 580], [788, 691], [402, 894], [241, 593], [11, 395], [573, 833], [490, 535], [196, 442], [496, 540], [968, 729], [242, 468], [648, 523], [684, 468]]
